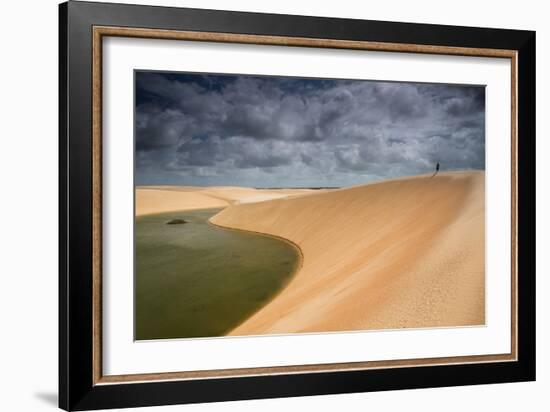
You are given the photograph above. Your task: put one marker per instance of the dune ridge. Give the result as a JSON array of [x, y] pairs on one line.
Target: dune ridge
[[401, 253]]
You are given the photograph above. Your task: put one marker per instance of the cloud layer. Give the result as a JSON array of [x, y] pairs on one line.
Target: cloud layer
[[264, 131]]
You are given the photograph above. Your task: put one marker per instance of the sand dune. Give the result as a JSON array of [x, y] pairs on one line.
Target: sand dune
[[151, 200], [238, 195], [160, 199], [401, 253]]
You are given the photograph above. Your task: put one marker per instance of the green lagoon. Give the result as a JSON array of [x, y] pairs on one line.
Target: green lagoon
[[195, 279]]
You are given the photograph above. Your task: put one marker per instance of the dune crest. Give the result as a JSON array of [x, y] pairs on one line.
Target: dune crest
[[402, 253]]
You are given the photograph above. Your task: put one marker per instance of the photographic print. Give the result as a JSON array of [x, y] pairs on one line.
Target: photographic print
[[283, 205], [263, 205]]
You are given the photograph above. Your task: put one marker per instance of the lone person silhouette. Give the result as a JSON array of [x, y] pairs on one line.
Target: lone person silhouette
[[436, 169]]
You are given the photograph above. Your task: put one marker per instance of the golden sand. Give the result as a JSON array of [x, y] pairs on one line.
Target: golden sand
[[151, 200], [160, 199], [401, 253]]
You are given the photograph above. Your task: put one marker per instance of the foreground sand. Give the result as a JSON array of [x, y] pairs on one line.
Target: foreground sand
[[401, 253]]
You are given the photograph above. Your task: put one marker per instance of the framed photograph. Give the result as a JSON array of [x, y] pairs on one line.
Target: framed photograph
[[256, 205]]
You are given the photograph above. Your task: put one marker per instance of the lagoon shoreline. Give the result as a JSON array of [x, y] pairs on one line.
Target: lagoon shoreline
[[400, 253]]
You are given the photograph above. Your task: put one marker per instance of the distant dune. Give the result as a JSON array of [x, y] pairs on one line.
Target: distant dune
[[151, 201], [160, 199], [400, 253]]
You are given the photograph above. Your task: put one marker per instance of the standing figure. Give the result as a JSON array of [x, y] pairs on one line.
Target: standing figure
[[436, 169]]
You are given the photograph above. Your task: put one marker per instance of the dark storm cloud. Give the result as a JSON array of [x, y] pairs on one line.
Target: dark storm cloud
[[276, 131]]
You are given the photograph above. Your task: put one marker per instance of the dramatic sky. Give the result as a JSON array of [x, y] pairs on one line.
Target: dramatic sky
[[264, 131]]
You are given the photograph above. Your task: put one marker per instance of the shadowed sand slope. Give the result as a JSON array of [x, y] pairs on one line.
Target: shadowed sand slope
[[401, 253]]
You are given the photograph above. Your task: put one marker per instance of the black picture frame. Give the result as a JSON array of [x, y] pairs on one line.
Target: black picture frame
[[77, 389]]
